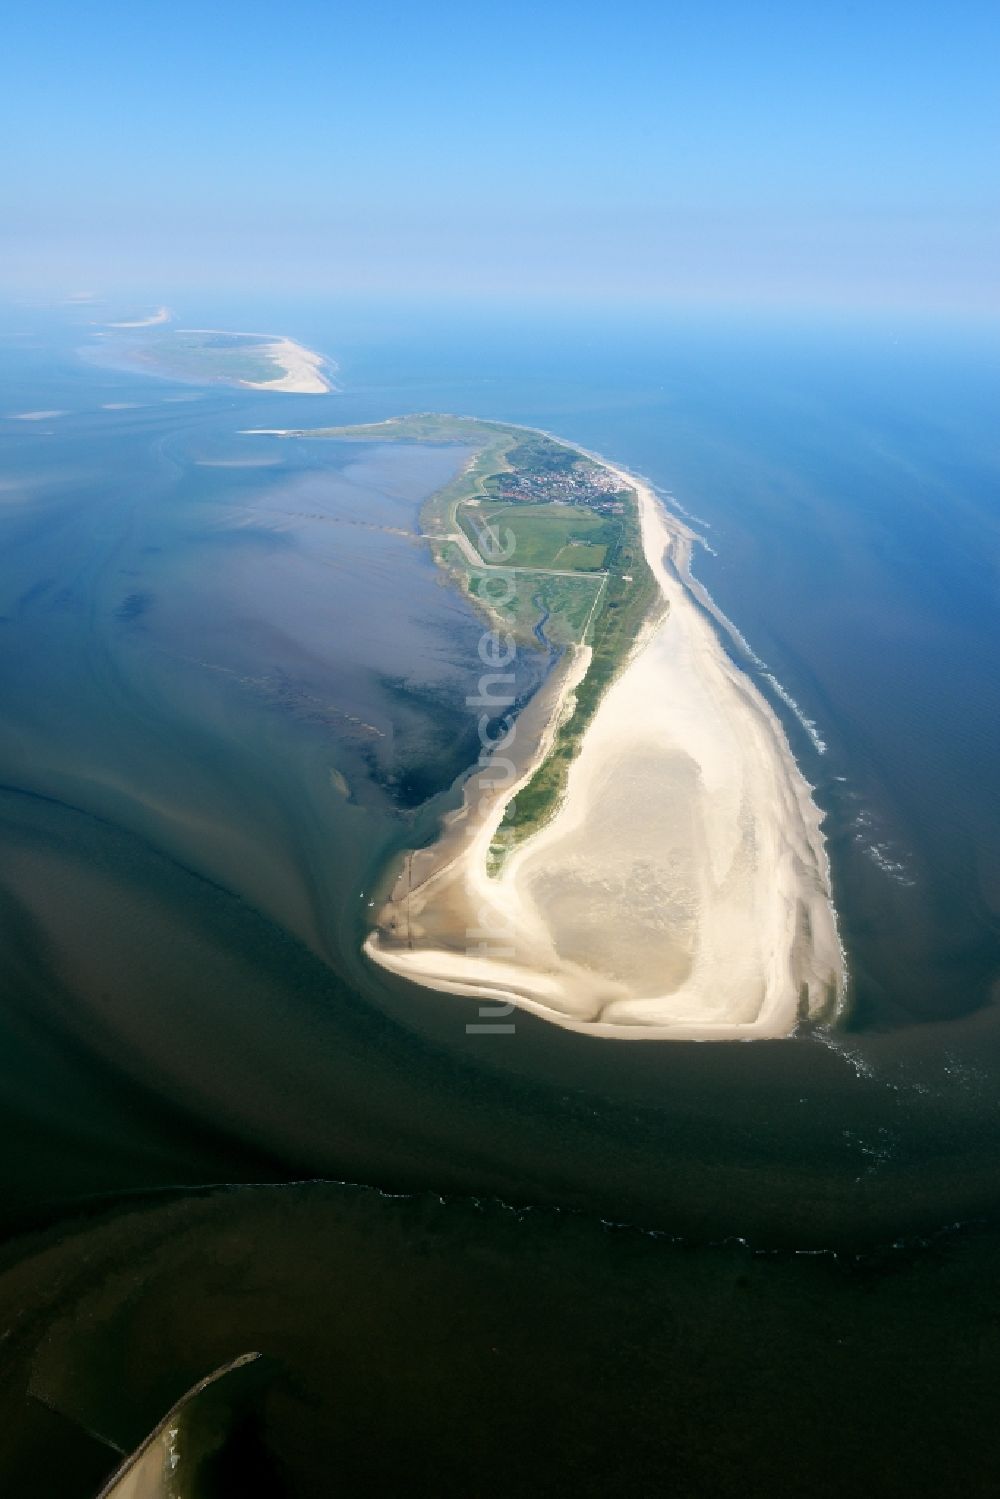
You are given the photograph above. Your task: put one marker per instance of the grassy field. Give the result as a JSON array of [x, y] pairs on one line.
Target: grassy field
[[570, 538], [585, 577]]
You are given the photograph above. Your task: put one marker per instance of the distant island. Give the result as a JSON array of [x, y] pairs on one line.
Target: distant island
[[637, 854], [161, 315], [255, 361]]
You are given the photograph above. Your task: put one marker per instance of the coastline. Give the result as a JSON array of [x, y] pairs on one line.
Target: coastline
[[685, 869], [300, 367], [171, 355]]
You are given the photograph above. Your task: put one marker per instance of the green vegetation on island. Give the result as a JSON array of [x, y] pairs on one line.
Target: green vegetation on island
[[631, 597], [232, 358], [547, 542], [556, 537]]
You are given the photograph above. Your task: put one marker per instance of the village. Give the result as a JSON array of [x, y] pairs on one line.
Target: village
[[577, 484]]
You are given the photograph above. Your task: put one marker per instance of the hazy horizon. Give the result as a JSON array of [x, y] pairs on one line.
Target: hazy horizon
[[773, 160]]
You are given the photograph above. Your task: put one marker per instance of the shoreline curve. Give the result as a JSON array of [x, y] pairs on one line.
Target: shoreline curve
[[681, 890]]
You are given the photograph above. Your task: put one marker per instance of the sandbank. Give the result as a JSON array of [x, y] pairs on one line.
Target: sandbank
[[161, 315], [301, 369]]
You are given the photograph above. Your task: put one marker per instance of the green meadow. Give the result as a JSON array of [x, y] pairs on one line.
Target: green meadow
[[568, 538]]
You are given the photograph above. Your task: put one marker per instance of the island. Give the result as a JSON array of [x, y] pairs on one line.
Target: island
[[161, 315], [637, 854], [212, 356]]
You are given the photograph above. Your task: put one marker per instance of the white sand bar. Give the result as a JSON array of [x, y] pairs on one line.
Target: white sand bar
[[301, 369], [682, 890], [161, 315]]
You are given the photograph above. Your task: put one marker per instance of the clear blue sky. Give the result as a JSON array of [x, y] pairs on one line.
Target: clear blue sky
[[787, 153]]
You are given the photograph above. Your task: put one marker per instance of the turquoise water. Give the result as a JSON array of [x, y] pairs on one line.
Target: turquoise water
[[233, 688]]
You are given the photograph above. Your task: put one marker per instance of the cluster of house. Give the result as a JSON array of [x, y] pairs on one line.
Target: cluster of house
[[595, 488]]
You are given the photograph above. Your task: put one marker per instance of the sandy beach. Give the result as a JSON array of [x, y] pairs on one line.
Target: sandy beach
[[682, 890], [301, 370]]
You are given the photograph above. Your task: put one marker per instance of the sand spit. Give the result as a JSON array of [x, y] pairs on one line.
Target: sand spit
[[300, 370], [161, 315], [682, 891]]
